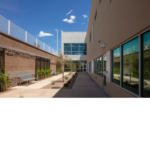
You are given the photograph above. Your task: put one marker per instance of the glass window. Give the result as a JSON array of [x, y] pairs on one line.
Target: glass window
[[67, 44], [75, 49], [101, 66], [146, 64], [105, 63], [95, 15], [90, 68], [104, 80], [75, 44], [116, 66], [82, 49], [82, 44], [131, 66], [67, 49]]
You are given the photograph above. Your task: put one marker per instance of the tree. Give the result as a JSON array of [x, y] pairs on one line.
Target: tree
[[61, 60], [131, 62]]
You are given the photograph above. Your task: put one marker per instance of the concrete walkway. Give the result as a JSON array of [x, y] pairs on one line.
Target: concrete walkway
[[40, 84], [84, 87]]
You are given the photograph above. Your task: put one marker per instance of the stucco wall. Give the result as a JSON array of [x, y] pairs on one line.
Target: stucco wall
[[117, 22], [73, 37]]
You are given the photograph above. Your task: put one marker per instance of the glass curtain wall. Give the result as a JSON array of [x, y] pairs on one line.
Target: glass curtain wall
[[116, 66], [75, 48], [146, 64], [131, 66]]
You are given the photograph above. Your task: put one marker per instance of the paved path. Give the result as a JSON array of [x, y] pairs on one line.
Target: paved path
[[40, 84], [84, 87]]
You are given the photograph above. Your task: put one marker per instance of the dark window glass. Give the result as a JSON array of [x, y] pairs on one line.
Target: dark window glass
[[131, 66], [96, 15], [99, 1], [104, 63], [75, 44], [101, 66], [104, 80], [95, 66], [75, 49], [82, 44], [116, 66], [67, 49], [67, 44], [82, 49], [146, 64]]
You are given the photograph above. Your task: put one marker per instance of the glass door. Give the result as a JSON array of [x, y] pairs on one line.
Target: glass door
[[104, 70], [84, 68]]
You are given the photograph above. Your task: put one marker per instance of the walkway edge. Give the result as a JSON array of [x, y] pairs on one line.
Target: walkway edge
[[75, 82]]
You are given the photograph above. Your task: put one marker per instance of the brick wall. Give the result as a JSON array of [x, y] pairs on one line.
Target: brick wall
[[20, 57]]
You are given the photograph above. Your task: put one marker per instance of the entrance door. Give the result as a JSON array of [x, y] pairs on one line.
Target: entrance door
[[104, 70], [84, 68]]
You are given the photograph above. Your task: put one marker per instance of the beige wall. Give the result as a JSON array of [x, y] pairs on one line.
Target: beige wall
[[117, 22]]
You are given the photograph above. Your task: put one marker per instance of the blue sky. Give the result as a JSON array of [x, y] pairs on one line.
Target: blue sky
[[46, 15]]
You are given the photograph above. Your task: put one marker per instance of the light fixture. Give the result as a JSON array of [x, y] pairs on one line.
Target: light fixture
[[102, 46], [99, 41]]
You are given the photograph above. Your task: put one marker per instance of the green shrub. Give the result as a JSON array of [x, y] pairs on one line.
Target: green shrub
[[73, 76], [53, 82], [117, 70], [21, 96], [145, 83], [69, 82], [66, 77], [4, 81], [66, 85], [59, 70], [135, 73]]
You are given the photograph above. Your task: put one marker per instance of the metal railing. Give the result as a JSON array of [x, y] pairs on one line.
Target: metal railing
[[10, 28]]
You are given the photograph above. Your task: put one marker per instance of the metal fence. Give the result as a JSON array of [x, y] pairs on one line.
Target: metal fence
[[10, 28]]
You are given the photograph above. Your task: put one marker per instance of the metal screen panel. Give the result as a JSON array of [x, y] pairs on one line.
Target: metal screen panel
[[17, 32], [46, 48], [3, 24], [39, 44], [10, 28], [31, 39]]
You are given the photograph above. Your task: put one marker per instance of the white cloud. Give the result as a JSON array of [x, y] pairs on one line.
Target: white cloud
[[71, 20], [69, 12], [42, 34], [85, 16], [82, 23]]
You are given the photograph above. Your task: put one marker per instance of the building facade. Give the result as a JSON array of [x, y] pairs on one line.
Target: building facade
[[118, 47], [74, 45]]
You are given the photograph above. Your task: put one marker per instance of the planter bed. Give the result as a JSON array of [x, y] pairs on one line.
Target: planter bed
[[59, 83]]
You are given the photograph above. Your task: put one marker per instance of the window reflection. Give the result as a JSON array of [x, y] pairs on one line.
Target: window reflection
[[146, 64], [75, 48], [131, 66], [116, 66]]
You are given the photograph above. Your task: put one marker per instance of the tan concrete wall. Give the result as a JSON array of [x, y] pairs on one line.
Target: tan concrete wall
[[117, 22]]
